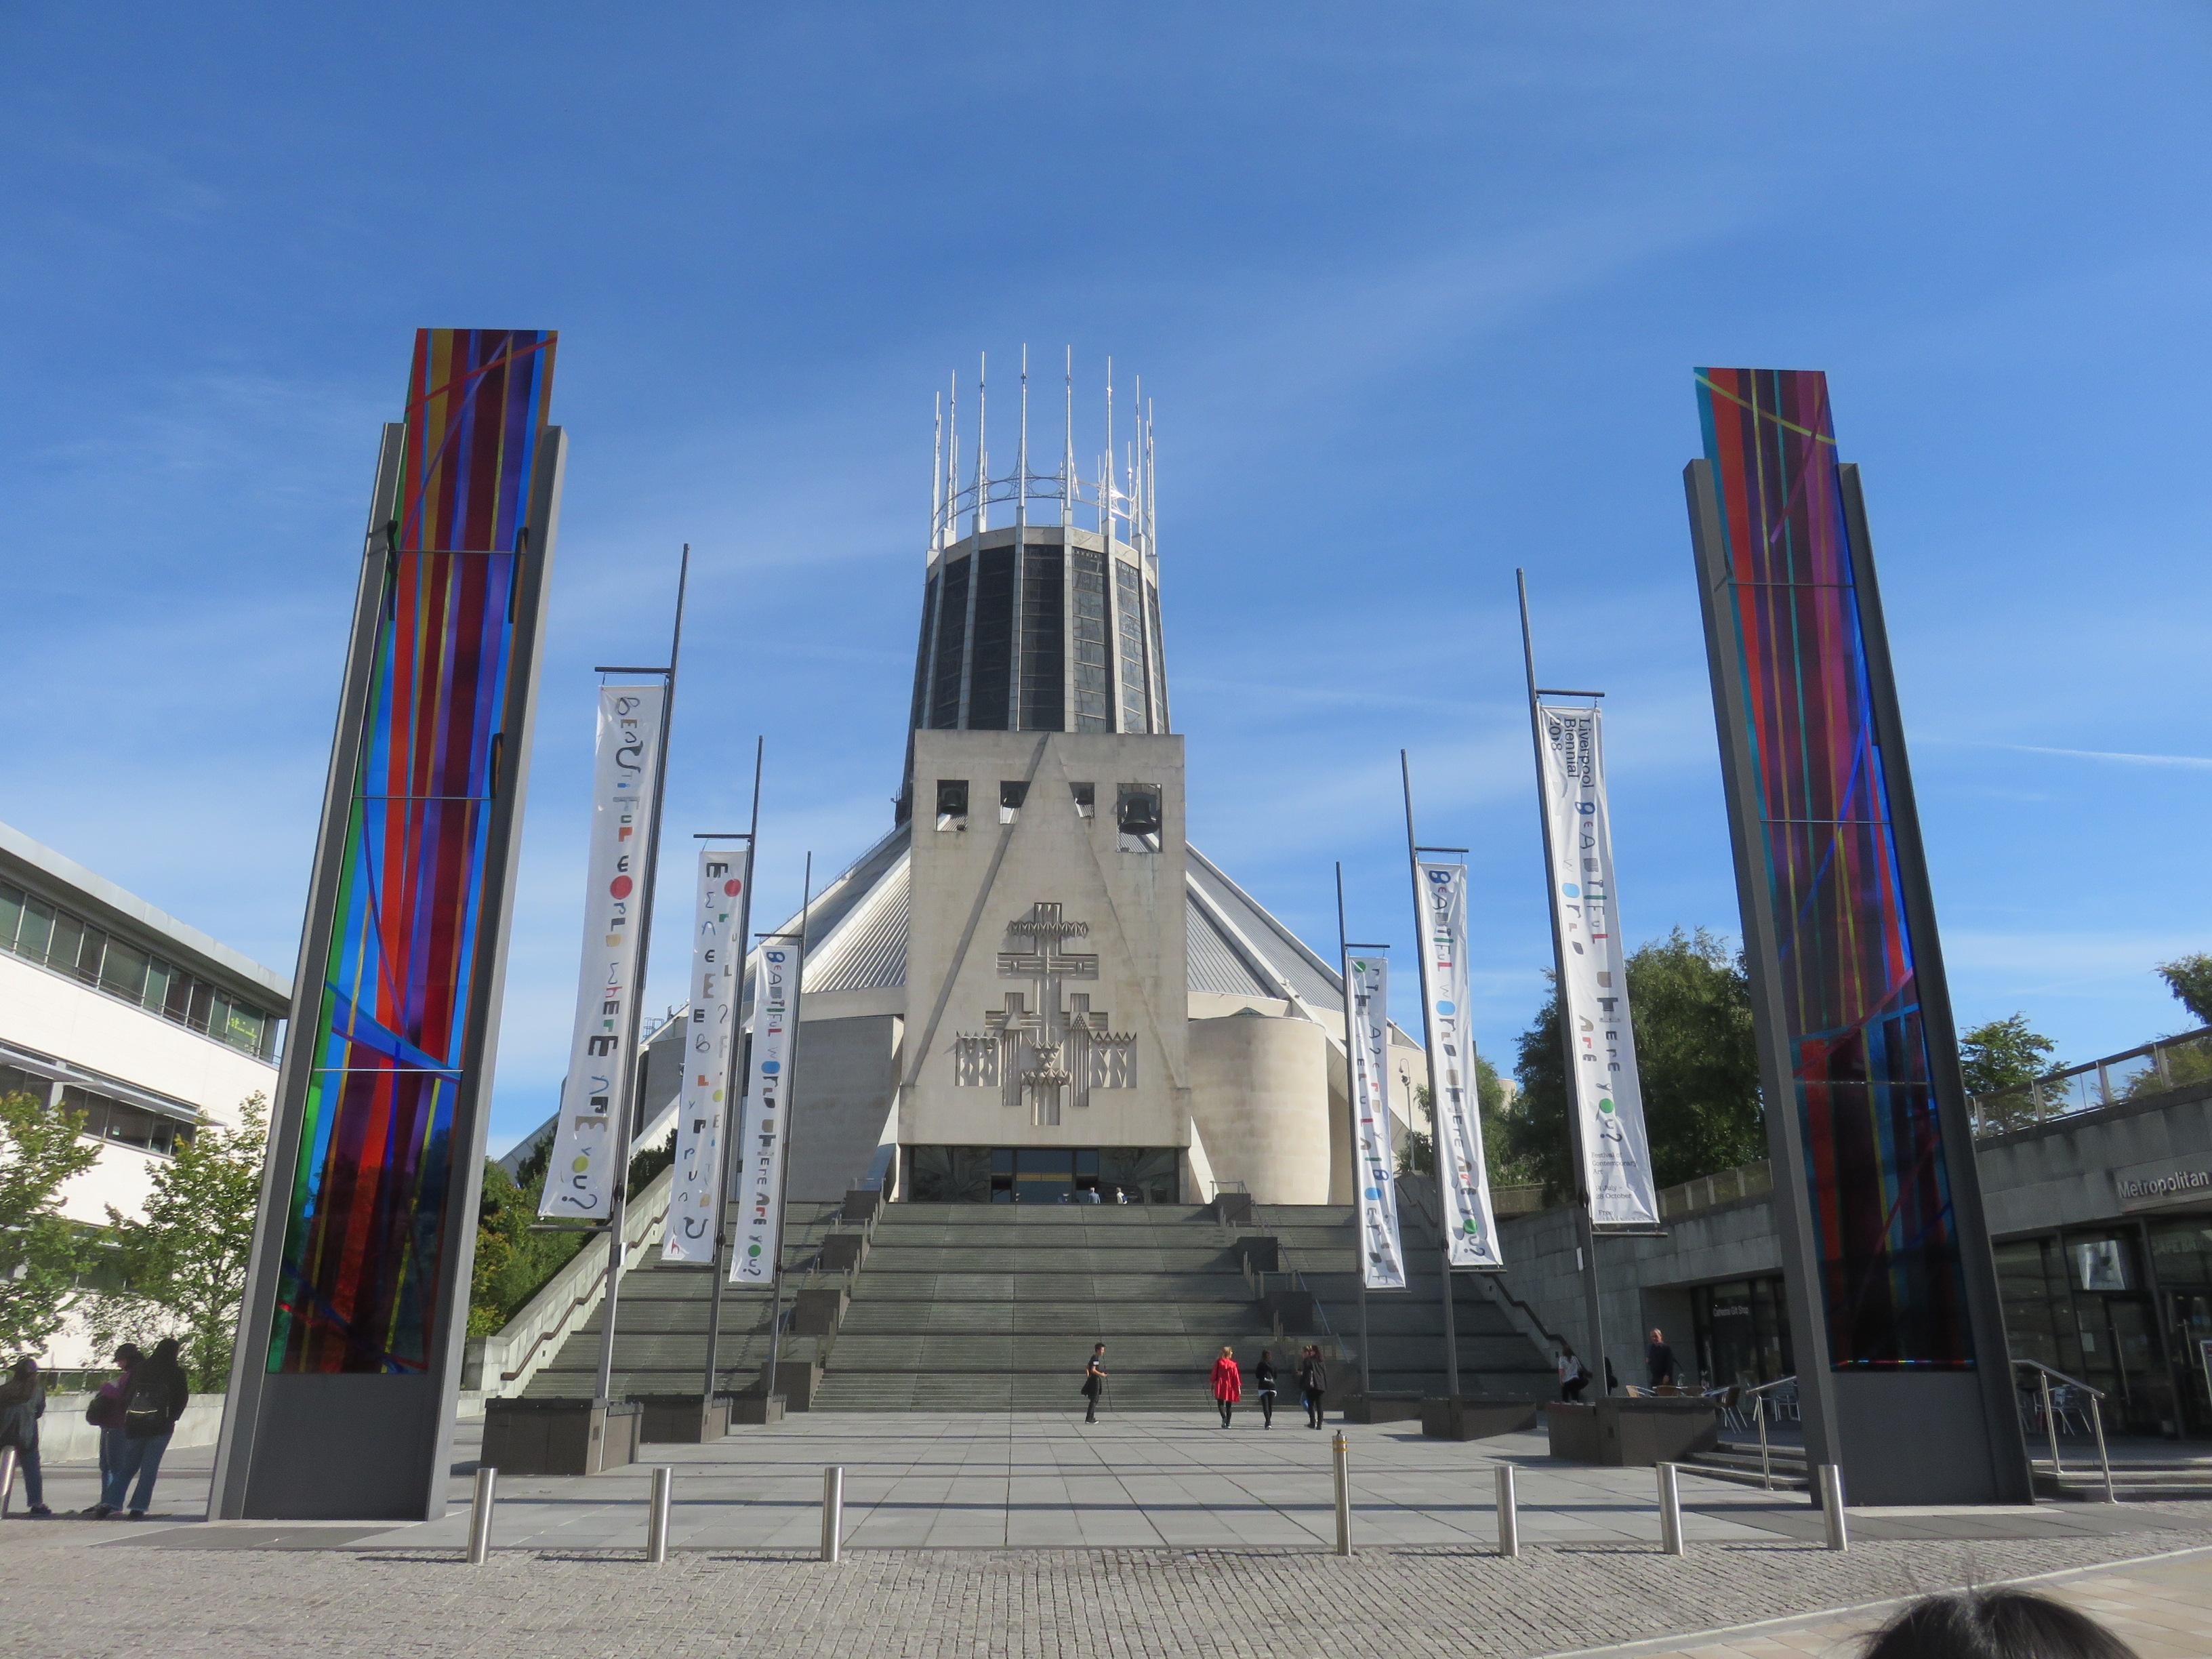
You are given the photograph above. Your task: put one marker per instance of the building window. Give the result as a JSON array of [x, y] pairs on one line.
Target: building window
[[1137, 812], [1131, 596], [103, 1118], [52, 938], [951, 645], [1091, 711], [952, 803], [1010, 797], [991, 683], [1044, 696], [1086, 799]]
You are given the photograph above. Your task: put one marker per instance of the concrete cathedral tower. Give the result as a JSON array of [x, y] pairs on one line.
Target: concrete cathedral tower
[[1033, 985]]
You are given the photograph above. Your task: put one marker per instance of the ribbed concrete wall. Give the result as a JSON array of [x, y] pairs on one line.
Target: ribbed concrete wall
[[1259, 1093]]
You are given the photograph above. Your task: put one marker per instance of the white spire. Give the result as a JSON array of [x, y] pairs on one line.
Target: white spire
[[936, 477], [1067, 452], [982, 460]]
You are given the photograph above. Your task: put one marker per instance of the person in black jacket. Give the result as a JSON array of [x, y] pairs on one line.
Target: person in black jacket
[[1263, 1383], [1094, 1382], [153, 1400], [1313, 1384], [22, 1403]]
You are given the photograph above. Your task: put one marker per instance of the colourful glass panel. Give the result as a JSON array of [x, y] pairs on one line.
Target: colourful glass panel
[[361, 1271], [1892, 1281]]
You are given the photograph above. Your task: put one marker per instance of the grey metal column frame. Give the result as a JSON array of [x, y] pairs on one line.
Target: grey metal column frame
[[257, 1310], [1785, 1131], [2006, 1446], [1436, 1084], [488, 994], [274, 1457]]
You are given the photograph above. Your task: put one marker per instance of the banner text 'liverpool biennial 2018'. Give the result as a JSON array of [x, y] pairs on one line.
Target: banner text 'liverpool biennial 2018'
[[1367, 1052], [585, 1162], [710, 1039], [767, 1116], [1604, 1087], [412, 845], [1470, 1229]]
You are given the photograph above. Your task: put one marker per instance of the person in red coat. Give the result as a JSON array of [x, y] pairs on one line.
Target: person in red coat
[[1228, 1384]]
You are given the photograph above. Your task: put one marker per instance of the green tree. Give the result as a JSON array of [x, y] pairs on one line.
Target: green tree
[[1696, 1057], [2190, 979], [183, 1261], [2004, 1053], [1417, 1155], [41, 1253]]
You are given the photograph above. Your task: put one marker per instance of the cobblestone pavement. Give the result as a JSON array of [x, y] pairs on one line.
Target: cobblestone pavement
[[130, 1599], [2162, 1609]]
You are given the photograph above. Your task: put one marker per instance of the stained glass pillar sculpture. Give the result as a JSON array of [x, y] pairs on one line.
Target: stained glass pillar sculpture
[[1903, 1372], [345, 1382]]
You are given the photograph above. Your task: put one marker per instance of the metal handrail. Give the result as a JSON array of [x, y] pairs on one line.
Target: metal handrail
[[2051, 1096], [1756, 1396], [2043, 1375]]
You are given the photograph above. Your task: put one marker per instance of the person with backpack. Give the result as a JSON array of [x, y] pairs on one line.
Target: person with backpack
[[105, 1410], [153, 1399], [1263, 1378], [22, 1403]]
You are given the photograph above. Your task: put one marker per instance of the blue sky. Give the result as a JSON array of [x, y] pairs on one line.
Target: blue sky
[[1416, 291]]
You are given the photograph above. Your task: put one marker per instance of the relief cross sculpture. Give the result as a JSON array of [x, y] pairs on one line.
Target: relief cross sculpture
[[1037, 1053]]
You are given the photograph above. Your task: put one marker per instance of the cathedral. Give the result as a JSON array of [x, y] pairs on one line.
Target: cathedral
[[1034, 989]]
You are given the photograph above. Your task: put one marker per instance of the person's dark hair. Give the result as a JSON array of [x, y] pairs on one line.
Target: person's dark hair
[[127, 1355], [1099, 1348], [165, 1349], [2000, 1624], [27, 1366]]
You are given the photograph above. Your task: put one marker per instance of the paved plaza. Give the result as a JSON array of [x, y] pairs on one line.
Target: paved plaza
[[1029, 1533]]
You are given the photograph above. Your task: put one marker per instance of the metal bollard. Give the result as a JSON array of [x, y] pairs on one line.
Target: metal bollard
[[656, 1519], [833, 1512], [1508, 1513], [487, 1495], [1341, 1455], [1831, 1505], [1670, 1511], [8, 1461]]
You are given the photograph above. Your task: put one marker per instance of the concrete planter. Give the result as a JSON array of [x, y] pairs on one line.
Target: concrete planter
[[844, 1253], [861, 1203], [1261, 1253], [796, 1382], [560, 1437], [1458, 1418], [1382, 1408], [756, 1410], [818, 1310], [676, 1419], [1632, 1433]]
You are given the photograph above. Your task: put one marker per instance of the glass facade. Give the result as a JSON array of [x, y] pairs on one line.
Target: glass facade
[[1092, 711], [951, 642], [1040, 1174], [1130, 598], [104, 1117], [51, 936], [1742, 1333], [1044, 697], [921, 653], [990, 687]]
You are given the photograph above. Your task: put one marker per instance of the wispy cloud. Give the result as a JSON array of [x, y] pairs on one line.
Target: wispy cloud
[[2117, 757]]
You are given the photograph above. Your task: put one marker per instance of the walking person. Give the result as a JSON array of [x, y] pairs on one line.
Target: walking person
[[155, 1399], [1313, 1383], [22, 1403], [1094, 1382], [1263, 1380], [1228, 1384]]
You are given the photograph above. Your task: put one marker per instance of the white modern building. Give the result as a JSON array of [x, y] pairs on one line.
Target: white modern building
[[1033, 987], [148, 1028]]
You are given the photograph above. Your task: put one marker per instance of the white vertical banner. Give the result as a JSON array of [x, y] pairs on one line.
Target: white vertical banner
[[1604, 1089], [761, 1146], [586, 1162], [1470, 1228], [710, 1037], [1367, 1066]]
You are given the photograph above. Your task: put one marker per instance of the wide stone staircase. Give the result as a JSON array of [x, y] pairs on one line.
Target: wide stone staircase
[[1405, 1328], [968, 1307], [660, 1326]]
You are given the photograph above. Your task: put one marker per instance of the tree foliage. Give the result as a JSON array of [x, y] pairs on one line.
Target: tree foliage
[[2004, 1053], [183, 1261], [2190, 979], [41, 1252], [1417, 1153], [1696, 1057]]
